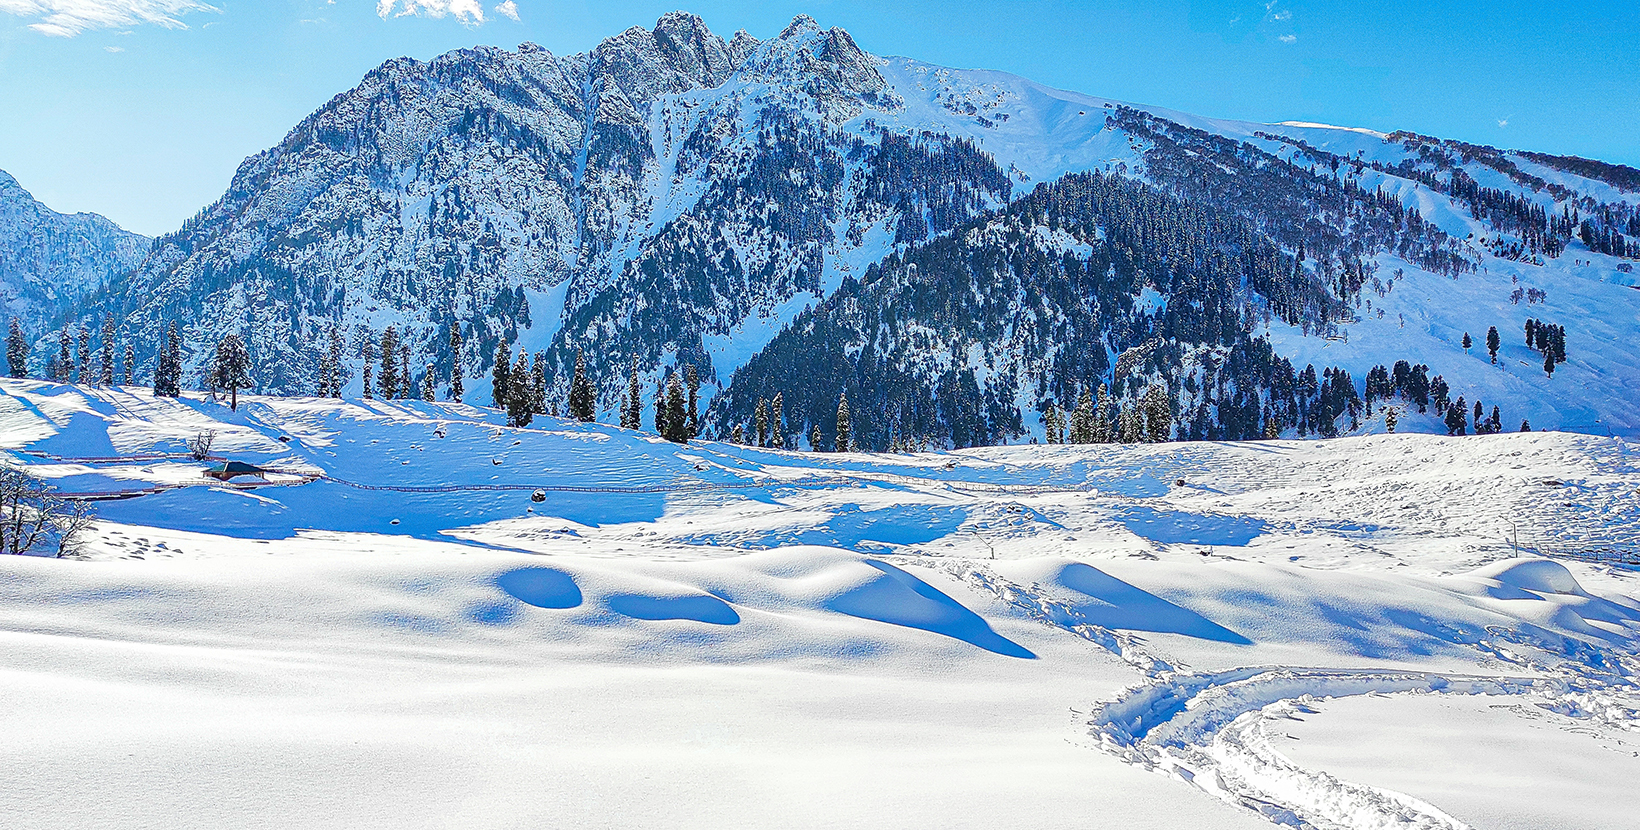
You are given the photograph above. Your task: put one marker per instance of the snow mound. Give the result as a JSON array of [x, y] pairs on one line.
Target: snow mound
[[1540, 576]]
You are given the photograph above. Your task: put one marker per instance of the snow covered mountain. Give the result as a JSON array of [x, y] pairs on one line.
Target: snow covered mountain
[[49, 260], [675, 198]]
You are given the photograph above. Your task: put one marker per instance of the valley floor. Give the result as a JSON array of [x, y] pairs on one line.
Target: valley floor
[[393, 633]]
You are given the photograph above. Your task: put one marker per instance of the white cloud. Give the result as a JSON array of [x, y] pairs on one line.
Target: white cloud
[[1282, 15], [508, 9], [1503, 122], [67, 18], [113, 49], [1288, 38], [466, 11]]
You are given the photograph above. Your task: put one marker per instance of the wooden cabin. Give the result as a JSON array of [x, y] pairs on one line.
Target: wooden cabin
[[229, 469]]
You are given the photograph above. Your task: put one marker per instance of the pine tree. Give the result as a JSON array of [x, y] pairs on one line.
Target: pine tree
[[632, 406], [429, 389], [1391, 417], [520, 407], [1131, 424], [387, 380], [692, 381], [582, 401], [87, 378], [1272, 428], [407, 388], [108, 351], [1104, 418], [231, 367], [538, 383], [130, 362], [16, 350], [168, 366], [737, 435], [65, 357], [845, 437], [1494, 424], [1525, 425], [677, 419], [760, 417], [1082, 428], [662, 426], [1158, 415], [1492, 342], [334, 374], [456, 387], [367, 355], [500, 374], [814, 438], [1467, 342], [1050, 424]]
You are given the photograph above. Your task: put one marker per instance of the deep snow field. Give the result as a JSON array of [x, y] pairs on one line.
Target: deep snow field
[[1349, 633]]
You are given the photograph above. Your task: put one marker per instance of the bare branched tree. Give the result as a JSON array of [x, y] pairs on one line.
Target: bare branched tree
[[199, 446], [33, 514]]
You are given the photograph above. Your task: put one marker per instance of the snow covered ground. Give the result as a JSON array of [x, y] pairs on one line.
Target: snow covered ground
[[1353, 633]]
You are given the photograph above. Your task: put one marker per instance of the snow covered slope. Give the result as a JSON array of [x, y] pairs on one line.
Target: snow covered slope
[[49, 260], [708, 635], [672, 197]]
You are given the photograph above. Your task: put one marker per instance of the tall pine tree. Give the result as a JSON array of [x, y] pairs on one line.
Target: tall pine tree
[[501, 375], [457, 389], [582, 400], [231, 367], [387, 379], [845, 437], [520, 406], [108, 351], [16, 350]]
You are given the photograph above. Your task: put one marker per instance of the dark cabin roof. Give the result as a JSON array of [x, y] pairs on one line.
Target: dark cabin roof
[[236, 467]]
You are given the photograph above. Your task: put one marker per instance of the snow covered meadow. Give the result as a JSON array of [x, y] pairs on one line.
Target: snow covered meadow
[[393, 632]]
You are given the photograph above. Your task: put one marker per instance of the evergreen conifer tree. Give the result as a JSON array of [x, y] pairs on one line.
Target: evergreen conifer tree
[[130, 362], [1158, 414], [632, 406], [760, 417], [691, 381], [500, 374], [520, 403], [231, 367], [1390, 419], [1082, 429], [814, 438], [1525, 425], [407, 387], [845, 435], [538, 383], [737, 435], [1467, 342], [662, 426], [65, 357], [1549, 362], [1102, 427], [367, 354], [677, 419], [457, 388], [387, 380], [429, 390], [1492, 342], [108, 351], [16, 350], [168, 367], [87, 378], [582, 404]]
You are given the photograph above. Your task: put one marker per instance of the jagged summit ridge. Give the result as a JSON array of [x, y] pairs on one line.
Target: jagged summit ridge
[[671, 198]]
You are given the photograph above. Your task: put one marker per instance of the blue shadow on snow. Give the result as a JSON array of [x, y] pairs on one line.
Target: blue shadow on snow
[[700, 608], [1133, 609], [541, 587], [1175, 528], [898, 598]]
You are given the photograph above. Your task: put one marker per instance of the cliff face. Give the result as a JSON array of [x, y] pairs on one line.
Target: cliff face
[[50, 260]]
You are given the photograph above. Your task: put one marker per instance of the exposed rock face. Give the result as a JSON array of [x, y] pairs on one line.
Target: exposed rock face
[[49, 260]]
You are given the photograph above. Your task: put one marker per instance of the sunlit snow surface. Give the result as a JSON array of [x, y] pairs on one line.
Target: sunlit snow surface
[[1323, 634]]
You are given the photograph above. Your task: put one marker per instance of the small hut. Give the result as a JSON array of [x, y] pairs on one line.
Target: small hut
[[229, 469]]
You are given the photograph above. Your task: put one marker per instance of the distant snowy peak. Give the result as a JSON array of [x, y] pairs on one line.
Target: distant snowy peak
[[671, 197], [49, 260]]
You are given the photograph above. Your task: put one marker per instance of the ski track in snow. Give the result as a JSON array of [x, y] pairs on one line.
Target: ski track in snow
[[1193, 538]]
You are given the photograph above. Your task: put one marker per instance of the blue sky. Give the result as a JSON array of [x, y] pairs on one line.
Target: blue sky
[[142, 109]]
